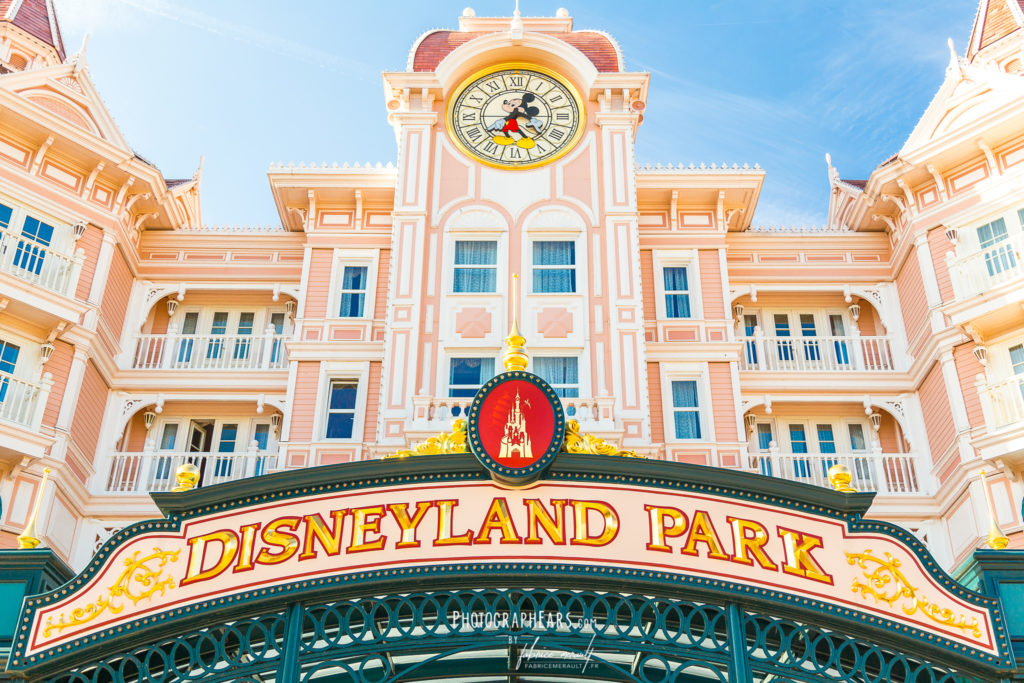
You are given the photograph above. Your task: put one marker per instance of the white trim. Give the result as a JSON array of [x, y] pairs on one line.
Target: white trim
[[353, 257], [687, 372], [341, 371], [676, 258]]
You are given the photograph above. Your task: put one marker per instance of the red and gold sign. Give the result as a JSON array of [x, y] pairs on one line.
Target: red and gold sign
[[516, 426]]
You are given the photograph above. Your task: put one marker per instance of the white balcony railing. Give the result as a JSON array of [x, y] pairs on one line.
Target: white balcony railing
[[38, 264], [23, 402], [155, 470], [1002, 402], [210, 352], [982, 270], [589, 412], [817, 354], [879, 472]]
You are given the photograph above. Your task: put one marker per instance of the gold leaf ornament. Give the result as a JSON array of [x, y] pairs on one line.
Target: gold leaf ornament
[[578, 442], [445, 442], [141, 578], [885, 582]]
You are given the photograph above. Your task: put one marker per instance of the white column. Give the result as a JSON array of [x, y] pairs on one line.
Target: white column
[[102, 272], [72, 388], [956, 405], [929, 281]]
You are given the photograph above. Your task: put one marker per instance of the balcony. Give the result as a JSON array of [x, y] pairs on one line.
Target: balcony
[[21, 412], [432, 414], [154, 471], [980, 271], [1003, 402], [39, 265], [883, 473], [210, 352], [817, 354]]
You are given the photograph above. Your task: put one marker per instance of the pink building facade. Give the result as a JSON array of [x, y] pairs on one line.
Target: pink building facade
[[134, 339]]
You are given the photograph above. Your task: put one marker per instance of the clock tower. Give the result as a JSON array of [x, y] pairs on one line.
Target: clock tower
[[515, 155]]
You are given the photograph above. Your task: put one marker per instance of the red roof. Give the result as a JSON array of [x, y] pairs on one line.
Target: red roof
[[33, 17], [437, 45]]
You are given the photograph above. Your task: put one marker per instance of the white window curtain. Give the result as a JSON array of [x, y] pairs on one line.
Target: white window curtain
[[353, 292], [554, 267], [562, 373], [686, 409], [476, 266]]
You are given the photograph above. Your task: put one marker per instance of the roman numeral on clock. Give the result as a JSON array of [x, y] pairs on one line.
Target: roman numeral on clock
[[562, 116], [556, 134]]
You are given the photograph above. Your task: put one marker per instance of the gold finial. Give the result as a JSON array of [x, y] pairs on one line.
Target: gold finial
[[28, 540], [187, 476], [515, 357], [996, 540], [839, 477]]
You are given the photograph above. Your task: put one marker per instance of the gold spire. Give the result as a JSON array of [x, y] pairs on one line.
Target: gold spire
[[515, 357], [28, 540], [996, 540]]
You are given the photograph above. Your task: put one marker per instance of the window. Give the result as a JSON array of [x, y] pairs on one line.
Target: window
[[677, 293], [785, 346], [218, 329], [8, 359], [261, 436], [798, 442], [277, 322], [5, 216], [188, 327], [554, 267], [31, 251], [686, 409], [857, 441], [808, 329], [750, 324], [341, 409], [169, 437], [466, 375], [476, 266], [998, 256], [228, 437], [243, 345], [562, 373], [353, 291], [1017, 363]]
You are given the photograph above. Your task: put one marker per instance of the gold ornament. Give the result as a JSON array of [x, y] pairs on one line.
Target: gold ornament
[[996, 540], [28, 540], [515, 356], [137, 582], [578, 442], [187, 476], [886, 576], [839, 478], [445, 442]]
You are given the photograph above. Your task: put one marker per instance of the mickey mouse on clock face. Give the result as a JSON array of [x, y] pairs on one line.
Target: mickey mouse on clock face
[[521, 116]]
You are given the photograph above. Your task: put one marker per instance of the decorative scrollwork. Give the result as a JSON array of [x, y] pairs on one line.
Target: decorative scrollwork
[[445, 442], [578, 442], [138, 581], [886, 576]]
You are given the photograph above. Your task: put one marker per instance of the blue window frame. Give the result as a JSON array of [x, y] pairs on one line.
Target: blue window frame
[[785, 346], [998, 256], [243, 346], [185, 345], [277, 322], [466, 375], [341, 409], [476, 266], [808, 331], [554, 267], [8, 359], [764, 443], [749, 325], [686, 409], [218, 329], [561, 372], [353, 291], [261, 435], [31, 252], [677, 292], [798, 442], [5, 216], [228, 438], [826, 445]]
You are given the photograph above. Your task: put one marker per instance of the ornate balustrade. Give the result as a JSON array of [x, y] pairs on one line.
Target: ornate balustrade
[[154, 470], [1002, 402], [40, 265], [884, 473], [591, 413], [174, 351], [982, 270], [817, 354], [23, 402]]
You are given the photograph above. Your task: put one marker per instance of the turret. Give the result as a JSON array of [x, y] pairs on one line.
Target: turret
[[29, 35]]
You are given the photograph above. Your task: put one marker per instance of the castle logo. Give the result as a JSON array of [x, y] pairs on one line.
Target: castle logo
[[516, 426]]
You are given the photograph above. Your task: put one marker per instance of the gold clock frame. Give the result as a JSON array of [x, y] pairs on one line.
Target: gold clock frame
[[524, 66]]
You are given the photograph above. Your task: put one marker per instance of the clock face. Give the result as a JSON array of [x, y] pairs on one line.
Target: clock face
[[514, 117]]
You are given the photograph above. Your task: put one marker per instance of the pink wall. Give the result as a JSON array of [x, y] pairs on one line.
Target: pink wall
[[711, 285], [912, 299], [304, 401], [657, 413], [647, 283], [939, 245], [115, 296], [85, 428], [722, 401], [318, 290], [372, 403], [380, 305], [59, 366], [967, 369], [938, 418], [90, 242]]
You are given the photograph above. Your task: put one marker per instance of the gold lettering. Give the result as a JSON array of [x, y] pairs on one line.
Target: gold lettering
[[658, 517], [498, 517], [799, 560], [581, 523], [246, 548], [197, 555], [703, 531], [400, 511], [744, 544], [445, 512], [330, 540], [554, 527], [273, 536], [366, 520]]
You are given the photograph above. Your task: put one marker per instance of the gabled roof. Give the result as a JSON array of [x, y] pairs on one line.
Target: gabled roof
[[35, 17], [995, 20]]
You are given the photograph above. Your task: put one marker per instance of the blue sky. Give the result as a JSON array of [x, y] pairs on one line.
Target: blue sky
[[247, 83]]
